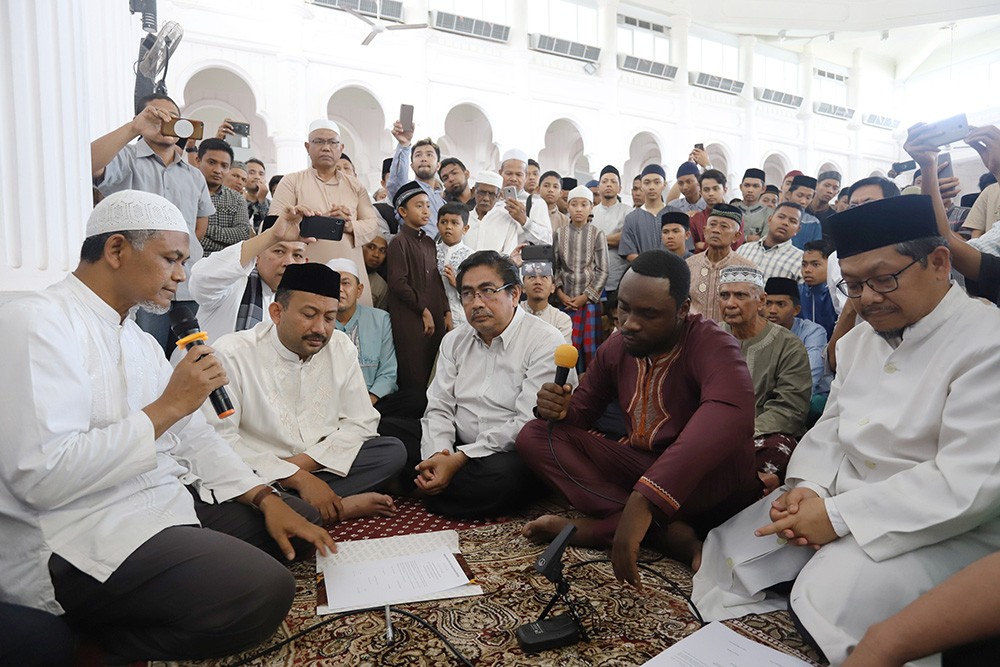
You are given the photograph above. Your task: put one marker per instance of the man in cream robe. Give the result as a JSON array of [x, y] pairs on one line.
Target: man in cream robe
[[898, 484], [303, 416]]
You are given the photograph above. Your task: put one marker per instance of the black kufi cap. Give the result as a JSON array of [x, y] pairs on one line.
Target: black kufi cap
[[675, 218], [882, 223], [611, 169], [803, 181], [406, 192], [569, 183], [311, 277], [753, 172], [777, 286]]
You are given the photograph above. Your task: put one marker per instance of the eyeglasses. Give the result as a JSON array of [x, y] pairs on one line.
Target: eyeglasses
[[488, 195], [879, 284], [319, 143], [484, 293]]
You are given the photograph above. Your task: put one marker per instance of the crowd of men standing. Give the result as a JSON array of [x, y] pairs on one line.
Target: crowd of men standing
[[770, 364]]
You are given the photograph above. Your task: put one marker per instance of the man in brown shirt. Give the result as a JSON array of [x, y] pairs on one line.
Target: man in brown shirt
[[335, 193]]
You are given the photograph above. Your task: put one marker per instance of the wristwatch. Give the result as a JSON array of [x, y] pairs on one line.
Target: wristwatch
[[260, 495]]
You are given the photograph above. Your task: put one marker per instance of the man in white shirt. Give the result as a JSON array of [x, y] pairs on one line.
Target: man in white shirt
[[512, 214], [896, 487], [482, 393], [109, 468], [235, 286], [609, 217], [303, 417]]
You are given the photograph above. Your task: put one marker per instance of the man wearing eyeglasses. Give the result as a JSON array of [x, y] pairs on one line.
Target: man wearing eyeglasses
[[482, 393], [896, 487], [331, 192]]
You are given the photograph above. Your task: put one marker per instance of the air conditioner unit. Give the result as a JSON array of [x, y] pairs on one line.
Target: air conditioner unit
[[462, 25], [832, 110], [642, 24], [648, 67], [712, 82], [390, 10], [563, 47], [883, 122], [777, 97]]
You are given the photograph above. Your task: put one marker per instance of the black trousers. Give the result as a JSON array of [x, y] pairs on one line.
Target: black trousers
[[33, 638], [489, 486], [187, 592]]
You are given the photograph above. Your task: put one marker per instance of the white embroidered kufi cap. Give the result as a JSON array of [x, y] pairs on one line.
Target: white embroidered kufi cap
[[515, 154], [489, 178], [343, 265], [580, 192], [741, 274], [134, 211], [323, 124]]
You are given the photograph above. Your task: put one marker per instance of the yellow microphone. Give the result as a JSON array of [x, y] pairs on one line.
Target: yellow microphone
[[566, 358]]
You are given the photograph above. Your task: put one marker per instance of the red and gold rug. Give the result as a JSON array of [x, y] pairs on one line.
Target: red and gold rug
[[627, 627]]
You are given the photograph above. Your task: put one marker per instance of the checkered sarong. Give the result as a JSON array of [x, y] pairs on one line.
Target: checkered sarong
[[586, 332]]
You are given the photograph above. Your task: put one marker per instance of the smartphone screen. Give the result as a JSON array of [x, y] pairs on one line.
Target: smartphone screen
[[700, 147], [406, 116], [945, 171]]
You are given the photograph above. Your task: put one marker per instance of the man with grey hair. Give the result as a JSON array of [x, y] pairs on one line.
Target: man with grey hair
[[892, 490], [331, 192], [111, 471], [779, 368]]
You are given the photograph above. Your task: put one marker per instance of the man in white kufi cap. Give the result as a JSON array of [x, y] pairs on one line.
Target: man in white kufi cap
[[327, 191], [516, 212], [109, 470]]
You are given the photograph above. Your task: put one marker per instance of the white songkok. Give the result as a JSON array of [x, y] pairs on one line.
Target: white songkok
[[343, 265], [489, 178], [135, 211], [515, 154], [581, 192], [323, 124], [741, 274]]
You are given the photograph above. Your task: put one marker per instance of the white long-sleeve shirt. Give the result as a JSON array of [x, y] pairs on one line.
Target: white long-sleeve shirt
[[499, 231], [906, 449], [217, 284], [81, 474], [482, 395], [285, 406]]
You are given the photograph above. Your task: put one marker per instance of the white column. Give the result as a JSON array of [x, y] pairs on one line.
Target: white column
[[747, 44], [44, 141], [854, 78], [112, 35]]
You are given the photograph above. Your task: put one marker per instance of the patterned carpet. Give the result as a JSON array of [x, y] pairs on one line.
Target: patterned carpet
[[627, 628]]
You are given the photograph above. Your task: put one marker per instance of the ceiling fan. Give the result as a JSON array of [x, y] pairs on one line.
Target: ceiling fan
[[378, 27]]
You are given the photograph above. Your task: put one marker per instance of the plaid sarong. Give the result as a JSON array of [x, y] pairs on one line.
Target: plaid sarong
[[251, 312], [586, 332]]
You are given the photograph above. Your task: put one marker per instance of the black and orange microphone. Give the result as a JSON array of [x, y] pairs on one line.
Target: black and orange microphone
[[189, 334], [566, 358]]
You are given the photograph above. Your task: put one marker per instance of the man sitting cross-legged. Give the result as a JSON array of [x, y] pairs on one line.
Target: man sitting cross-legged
[[303, 415], [686, 463], [482, 394], [896, 487], [114, 493]]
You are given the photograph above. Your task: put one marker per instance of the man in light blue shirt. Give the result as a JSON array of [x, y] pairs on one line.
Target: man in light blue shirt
[[781, 307], [423, 157]]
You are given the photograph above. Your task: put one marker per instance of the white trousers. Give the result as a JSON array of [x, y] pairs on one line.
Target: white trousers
[[839, 591]]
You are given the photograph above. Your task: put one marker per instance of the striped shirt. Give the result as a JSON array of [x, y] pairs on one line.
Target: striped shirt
[[581, 261], [705, 282], [783, 260]]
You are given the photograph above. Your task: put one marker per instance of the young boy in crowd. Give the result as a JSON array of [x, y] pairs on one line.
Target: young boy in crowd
[[452, 224], [817, 304], [374, 253], [538, 288], [581, 269], [675, 230], [418, 305]]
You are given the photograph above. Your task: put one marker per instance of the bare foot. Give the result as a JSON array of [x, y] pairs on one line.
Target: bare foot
[[368, 504], [680, 543], [544, 528]]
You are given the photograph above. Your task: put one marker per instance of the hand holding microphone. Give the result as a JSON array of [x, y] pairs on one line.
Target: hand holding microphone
[[200, 373], [553, 398]]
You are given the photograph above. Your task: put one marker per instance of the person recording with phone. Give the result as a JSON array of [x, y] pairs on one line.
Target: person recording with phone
[[155, 163], [423, 158], [331, 192]]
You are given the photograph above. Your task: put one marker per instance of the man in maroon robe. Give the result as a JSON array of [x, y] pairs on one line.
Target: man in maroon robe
[[686, 463]]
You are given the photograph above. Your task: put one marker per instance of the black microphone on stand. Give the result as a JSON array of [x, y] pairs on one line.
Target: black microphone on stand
[[189, 334]]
